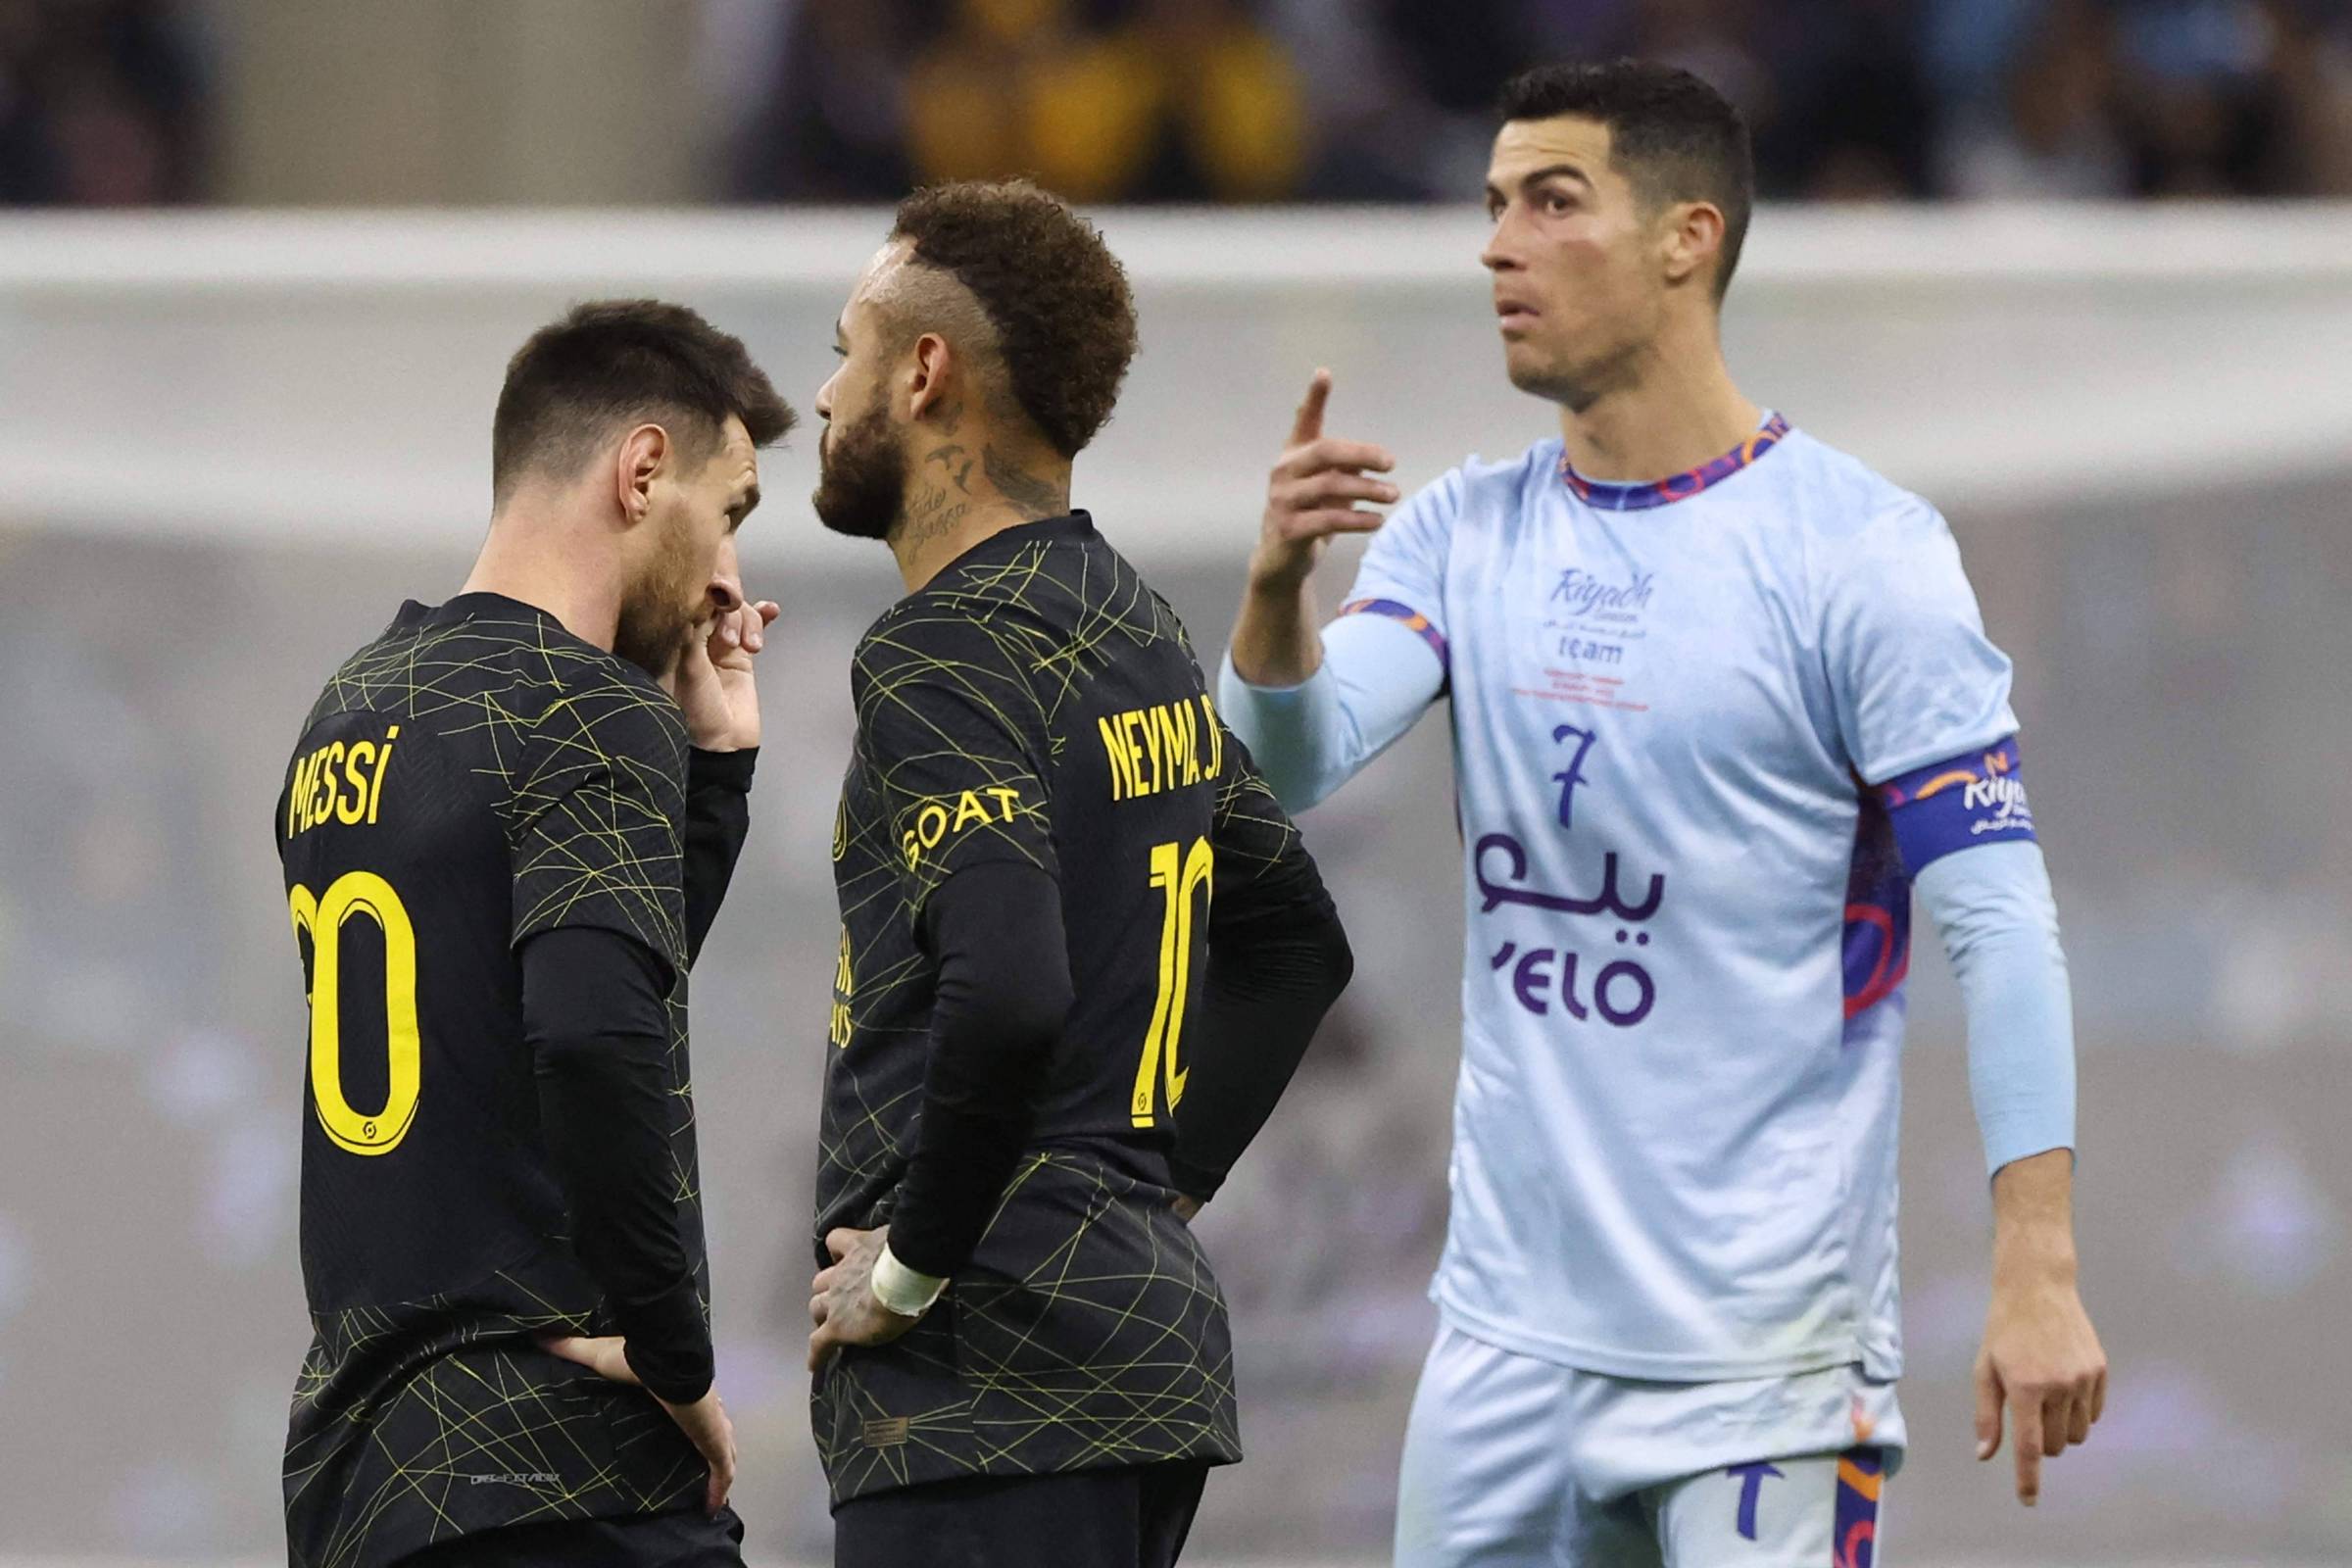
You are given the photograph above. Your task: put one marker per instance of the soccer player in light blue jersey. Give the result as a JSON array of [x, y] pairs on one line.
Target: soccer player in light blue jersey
[[1721, 701]]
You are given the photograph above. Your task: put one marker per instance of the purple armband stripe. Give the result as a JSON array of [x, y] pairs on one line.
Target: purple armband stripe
[[1413, 619], [1978, 798]]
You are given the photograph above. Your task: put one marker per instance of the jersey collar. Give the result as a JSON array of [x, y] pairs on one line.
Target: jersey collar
[[1075, 525], [1641, 495]]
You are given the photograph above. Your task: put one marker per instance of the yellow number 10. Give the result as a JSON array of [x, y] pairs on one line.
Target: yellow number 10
[[1177, 874], [360, 893]]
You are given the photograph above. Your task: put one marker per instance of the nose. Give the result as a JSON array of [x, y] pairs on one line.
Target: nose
[[824, 398], [726, 581], [1500, 255]]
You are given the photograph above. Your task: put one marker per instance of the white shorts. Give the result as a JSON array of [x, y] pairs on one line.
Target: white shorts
[[1514, 1463]]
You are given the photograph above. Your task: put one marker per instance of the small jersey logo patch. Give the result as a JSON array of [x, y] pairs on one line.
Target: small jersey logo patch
[[884, 1431]]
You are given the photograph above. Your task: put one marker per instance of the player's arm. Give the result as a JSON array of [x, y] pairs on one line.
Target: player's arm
[[1988, 897], [596, 1008], [1923, 707], [1315, 707], [715, 691], [719, 817], [1003, 993], [598, 930], [595, 1014], [1278, 958], [950, 723]]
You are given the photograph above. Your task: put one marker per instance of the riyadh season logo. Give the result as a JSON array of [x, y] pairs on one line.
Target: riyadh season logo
[[2002, 795], [1584, 596]]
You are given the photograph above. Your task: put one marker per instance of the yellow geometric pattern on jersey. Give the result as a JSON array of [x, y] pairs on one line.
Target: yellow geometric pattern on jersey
[[419, 1418], [1088, 1330]]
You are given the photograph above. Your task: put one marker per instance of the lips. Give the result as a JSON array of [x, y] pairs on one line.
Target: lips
[[1514, 312]]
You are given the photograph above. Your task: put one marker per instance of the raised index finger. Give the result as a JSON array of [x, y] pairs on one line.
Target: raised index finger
[[1309, 422]]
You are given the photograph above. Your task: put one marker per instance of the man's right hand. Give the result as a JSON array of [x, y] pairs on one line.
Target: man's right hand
[[705, 1422], [1312, 494]]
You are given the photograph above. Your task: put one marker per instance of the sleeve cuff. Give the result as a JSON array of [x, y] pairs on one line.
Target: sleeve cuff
[[669, 1344], [1234, 680], [901, 1290], [1997, 1160], [729, 771], [1196, 1182]]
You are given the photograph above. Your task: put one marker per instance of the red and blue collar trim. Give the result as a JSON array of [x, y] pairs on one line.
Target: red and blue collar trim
[[1641, 495]]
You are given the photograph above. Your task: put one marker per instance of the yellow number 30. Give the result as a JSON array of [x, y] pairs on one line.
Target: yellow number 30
[[360, 893]]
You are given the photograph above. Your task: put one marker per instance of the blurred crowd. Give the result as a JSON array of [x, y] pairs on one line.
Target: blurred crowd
[[107, 102], [1352, 100], [102, 104]]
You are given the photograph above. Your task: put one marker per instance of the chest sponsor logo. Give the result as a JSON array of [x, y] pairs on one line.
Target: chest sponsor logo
[[1582, 598], [1543, 972], [1592, 627]]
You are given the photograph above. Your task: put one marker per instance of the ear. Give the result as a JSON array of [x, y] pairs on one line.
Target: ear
[[644, 453], [1692, 238], [929, 375]]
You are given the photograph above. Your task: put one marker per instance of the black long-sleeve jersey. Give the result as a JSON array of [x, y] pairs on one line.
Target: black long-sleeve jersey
[[475, 777], [1037, 704]]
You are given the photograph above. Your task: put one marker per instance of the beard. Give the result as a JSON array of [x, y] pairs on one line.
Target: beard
[[659, 609], [861, 483]]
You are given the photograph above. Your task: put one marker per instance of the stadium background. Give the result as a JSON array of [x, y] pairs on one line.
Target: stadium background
[[238, 438]]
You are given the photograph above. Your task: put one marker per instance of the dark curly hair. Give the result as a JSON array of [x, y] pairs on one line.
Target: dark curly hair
[[1056, 297], [611, 363], [1676, 138]]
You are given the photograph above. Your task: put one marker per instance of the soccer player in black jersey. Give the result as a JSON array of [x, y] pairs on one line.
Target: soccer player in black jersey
[[506, 829], [1082, 947]]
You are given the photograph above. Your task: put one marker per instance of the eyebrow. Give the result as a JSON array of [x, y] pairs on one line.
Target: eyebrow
[[841, 329], [1529, 181]]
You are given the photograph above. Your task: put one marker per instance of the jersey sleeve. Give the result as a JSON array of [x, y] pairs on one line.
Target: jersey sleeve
[[1403, 572], [1912, 675], [594, 828], [948, 722], [1278, 958], [1263, 874]]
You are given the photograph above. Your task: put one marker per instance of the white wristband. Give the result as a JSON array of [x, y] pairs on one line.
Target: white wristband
[[900, 1290]]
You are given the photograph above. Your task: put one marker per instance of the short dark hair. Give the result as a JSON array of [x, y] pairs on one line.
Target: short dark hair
[[611, 360], [1057, 298], [1672, 134]]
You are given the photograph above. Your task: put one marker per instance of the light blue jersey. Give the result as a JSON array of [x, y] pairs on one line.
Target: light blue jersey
[[1682, 715]]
